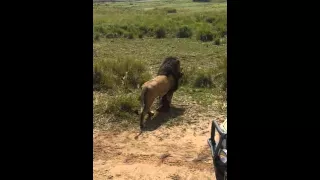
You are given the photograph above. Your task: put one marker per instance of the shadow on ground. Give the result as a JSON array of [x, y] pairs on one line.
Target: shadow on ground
[[160, 118]]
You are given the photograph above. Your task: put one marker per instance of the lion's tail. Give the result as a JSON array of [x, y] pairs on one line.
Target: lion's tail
[[142, 100], [143, 106]]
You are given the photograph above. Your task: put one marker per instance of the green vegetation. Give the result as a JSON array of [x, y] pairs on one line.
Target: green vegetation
[[130, 41], [169, 19]]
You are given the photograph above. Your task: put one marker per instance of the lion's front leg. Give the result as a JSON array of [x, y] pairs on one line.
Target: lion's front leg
[[165, 102], [169, 97], [160, 103]]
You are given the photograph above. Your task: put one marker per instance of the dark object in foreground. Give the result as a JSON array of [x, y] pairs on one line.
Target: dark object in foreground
[[219, 150]]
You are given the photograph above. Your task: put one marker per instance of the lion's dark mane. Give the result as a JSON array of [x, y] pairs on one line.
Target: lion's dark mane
[[170, 66]]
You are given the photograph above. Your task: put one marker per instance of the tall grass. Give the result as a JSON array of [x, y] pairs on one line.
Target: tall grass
[[123, 105], [113, 73], [117, 75], [207, 77], [116, 22]]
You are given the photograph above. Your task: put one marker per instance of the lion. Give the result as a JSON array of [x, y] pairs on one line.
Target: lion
[[163, 86]]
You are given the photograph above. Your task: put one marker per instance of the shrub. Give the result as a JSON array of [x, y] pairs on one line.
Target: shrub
[[111, 35], [102, 78], [129, 35], [123, 105], [99, 29], [143, 29], [160, 32], [203, 79], [184, 32], [171, 10], [221, 30], [110, 73], [187, 77], [224, 40], [220, 74], [207, 78], [217, 41], [201, 0], [210, 19], [96, 37], [205, 35]]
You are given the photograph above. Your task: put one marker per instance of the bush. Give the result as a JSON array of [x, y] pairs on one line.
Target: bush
[[110, 73], [187, 77], [129, 35], [184, 32], [96, 37], [224, 40], [205, 35], [99, 29], [198, 78], [171, 10], [221, 30], [123, 105], [111, 35], [210, 19], [102, 78], [203, 79], [143, 29], [160, 32], [220, 75], [217, 41], [201, 0], [207, 78]]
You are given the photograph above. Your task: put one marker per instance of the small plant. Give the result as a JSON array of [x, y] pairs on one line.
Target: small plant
[[102, 78], [203, 79], [201, 0], [184, 32], [210, 19], [123, 105], [220, 75], [96, 37], [160, 32], [144, 29], [217, 42], [187, 77], [111, 73], [171, 10], [129, 35], [205, 35], [99, 29]]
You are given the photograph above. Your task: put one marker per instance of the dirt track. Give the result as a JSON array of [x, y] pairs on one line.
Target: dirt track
[[178, 152]]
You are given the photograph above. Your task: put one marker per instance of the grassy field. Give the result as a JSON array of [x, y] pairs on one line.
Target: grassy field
[[132, 38], [160, 19]]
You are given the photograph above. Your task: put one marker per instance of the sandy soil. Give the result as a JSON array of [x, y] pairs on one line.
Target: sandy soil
[[160, 152]]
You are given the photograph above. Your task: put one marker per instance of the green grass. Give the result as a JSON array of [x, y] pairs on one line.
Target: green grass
[[196, 57], [115, 110], [116, 73], [159, 19], [131, 39]]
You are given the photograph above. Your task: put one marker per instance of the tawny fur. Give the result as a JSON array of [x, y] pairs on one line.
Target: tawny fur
[[157, 87]]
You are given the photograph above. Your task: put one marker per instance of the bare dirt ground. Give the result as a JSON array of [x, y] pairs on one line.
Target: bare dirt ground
[[160, 152]]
